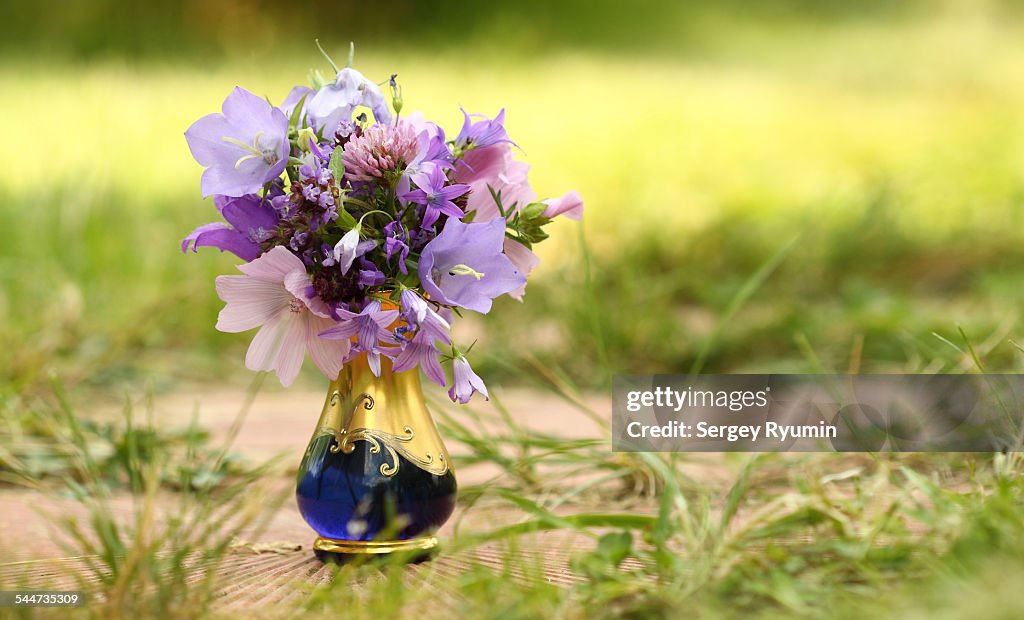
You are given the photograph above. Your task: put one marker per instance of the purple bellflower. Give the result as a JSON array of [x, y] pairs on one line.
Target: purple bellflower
[[369, 275], [336, 100], [396, 242], [243, 148], [417, 312], [482, 133], [369, 326], [250, 222], [327, 255], [434, 148], [466, 382], [432, 144], [421, 352], [433, 195], [464, 265]]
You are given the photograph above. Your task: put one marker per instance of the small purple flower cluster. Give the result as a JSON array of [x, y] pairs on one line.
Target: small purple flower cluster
[[362, 231]]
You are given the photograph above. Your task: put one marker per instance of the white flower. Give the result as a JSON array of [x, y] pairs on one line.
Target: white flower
[[345, 250]]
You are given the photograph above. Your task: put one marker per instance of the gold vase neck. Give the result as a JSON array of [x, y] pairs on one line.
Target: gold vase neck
[[386, 411]]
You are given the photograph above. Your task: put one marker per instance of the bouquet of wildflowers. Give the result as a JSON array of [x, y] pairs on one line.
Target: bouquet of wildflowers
[[363, 232]]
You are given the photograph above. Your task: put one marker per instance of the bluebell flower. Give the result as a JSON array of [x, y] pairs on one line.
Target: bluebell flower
[[368, 326], [250, 222], [465, 382], [336, 101], [465, 265], [482, 133], [243, 148], [435, 194]]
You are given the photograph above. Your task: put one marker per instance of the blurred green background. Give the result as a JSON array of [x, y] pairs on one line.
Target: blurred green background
[[885, 138]]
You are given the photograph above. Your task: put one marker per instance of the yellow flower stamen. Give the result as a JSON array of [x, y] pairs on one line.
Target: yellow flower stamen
[[464, 270], [253, 148]]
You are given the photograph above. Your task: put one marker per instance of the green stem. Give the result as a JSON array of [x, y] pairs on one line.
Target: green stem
[[331, 62], [363, 216]]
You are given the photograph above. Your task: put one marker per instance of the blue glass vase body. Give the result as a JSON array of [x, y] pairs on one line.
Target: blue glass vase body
[[375, 477]]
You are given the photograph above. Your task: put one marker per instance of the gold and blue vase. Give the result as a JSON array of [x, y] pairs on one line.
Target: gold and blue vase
[[375, 478]]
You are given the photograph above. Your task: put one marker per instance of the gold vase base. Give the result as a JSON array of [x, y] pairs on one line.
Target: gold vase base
[[418, 546]]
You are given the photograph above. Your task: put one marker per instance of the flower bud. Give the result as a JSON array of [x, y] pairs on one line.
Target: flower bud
[[396, 94], [305, 138]]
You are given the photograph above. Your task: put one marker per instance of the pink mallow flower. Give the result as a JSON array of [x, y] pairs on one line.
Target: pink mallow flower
[[276, 295], [570, 205], [494, 168]]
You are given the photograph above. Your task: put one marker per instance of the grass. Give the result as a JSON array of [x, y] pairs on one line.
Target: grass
[[793, 536], [891, 151], [161, 560]]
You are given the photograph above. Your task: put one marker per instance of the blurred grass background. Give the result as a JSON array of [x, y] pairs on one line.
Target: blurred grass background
[[887, 138]]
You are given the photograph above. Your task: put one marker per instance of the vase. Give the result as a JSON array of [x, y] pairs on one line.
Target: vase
[[375, 478]]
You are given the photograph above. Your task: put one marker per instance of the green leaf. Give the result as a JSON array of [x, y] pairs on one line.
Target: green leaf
[[337, 168], [496, 196], [750, 286], [345, 219], [529, 232], [316, 79], [520, 240], [297, 112], [337, 165], [615, 547], [737, 493], [538, 235], [577, 522], [533, 211]]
